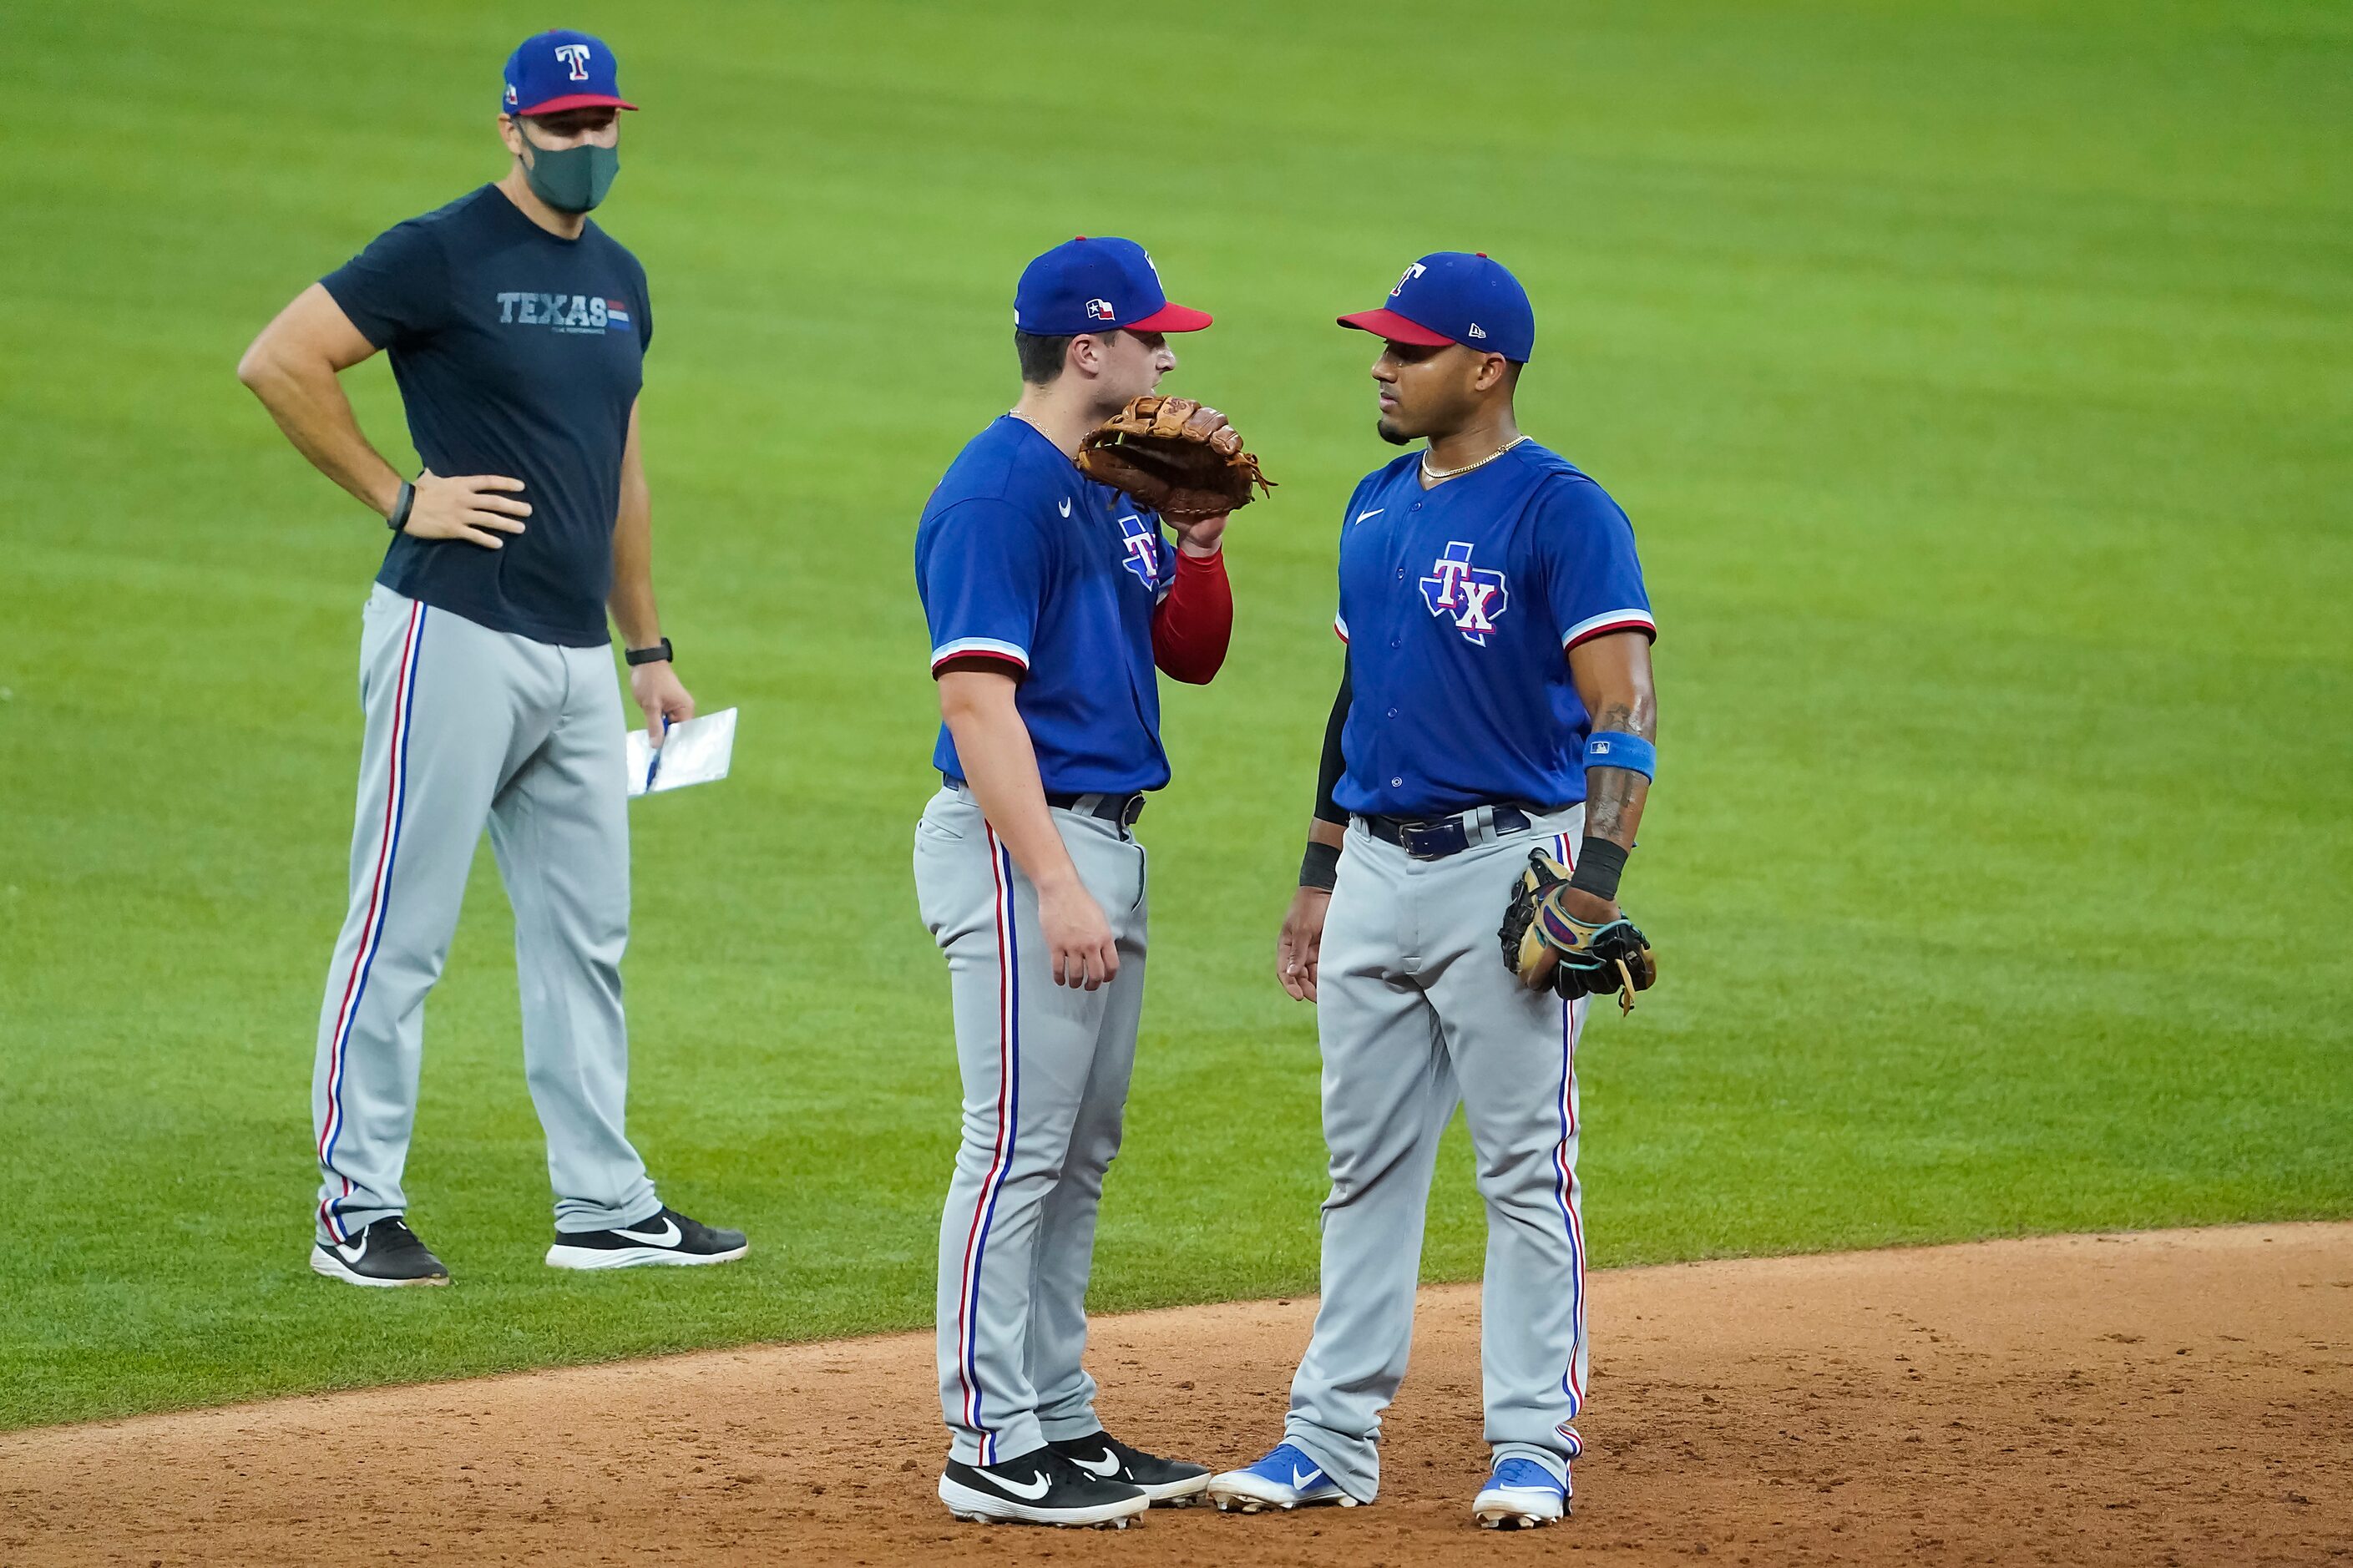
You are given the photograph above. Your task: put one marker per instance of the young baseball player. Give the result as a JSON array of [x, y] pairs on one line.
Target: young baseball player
[[1498, 646], [517, 329], [1050, 601]]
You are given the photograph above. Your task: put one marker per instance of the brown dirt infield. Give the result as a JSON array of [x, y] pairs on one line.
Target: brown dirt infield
[[2177, 1397]]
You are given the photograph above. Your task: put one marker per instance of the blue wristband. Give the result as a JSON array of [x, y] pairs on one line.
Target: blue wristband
[[1617, 749]]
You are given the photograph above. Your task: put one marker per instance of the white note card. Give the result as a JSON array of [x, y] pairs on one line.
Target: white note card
[[696, 750]]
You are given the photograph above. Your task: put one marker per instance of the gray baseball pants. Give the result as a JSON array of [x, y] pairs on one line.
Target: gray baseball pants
[[468, 726], [1416, 1013], [1045, 1072]]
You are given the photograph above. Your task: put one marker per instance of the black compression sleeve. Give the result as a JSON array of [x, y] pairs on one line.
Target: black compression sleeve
[[1327, 776]]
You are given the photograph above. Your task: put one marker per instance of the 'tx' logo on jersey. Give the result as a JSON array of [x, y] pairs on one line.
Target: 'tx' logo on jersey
[[1471, 597], [1143, 549]]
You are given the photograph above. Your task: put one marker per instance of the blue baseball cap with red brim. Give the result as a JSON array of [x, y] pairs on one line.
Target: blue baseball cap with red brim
[[1456, 296], [561, 70], [1097, 286]]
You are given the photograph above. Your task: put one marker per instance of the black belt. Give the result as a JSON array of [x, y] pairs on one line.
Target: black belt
[[1438, 838], [1123, 809]]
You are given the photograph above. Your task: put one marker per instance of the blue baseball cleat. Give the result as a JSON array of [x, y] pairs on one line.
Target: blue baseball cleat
[[1285, 1479], [1520, 1495]]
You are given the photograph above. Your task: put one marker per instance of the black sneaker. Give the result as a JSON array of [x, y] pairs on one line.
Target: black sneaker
[[668, 1236], [1041, 1486], [387, 1253], [1169, 1481]]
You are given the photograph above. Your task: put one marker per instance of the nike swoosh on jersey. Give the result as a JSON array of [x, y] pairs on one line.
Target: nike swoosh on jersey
[[1030, 1490], [1107, 1466], [1066, 506], [668, 1237], [1375, 513]]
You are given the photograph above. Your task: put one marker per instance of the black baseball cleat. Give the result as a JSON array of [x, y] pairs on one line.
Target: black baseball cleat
[[1041, 1486], [1169, 1481], [668, 1236], [385, 1254]]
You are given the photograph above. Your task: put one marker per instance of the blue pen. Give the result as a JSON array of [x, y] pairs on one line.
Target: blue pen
[[653, 768]]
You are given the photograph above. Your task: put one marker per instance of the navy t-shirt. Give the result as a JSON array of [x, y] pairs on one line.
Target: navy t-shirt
[[1458, 604], [1022, 558], [518, 352]]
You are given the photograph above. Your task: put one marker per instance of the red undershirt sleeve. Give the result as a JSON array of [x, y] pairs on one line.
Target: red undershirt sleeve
[[1194, 623]]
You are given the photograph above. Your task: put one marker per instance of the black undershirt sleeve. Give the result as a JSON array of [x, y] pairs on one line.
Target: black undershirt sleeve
[[1327, 776]]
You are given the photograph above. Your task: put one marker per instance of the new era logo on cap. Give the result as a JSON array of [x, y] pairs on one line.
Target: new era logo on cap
[[559, 71], [1093, 285], [1456, 296]]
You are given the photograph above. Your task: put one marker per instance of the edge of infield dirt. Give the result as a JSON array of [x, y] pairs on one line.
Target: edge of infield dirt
[[2137, 1398]]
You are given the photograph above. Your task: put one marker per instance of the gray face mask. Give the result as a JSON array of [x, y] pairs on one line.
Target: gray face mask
[[572, 179]]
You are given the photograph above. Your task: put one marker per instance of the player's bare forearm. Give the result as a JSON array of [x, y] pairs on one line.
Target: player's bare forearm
[[1613, 678], [292, 368], [1614, 797], [631, 602], [1000, 768], [1613, 803]]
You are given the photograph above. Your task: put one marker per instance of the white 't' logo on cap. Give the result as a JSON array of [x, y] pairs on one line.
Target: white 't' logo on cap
[[576, 56]]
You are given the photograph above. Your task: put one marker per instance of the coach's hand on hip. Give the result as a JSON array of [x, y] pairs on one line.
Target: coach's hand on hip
[[476, 508]]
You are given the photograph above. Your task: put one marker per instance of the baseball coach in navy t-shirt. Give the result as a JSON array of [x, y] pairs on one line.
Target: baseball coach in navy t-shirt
[[517, 331]]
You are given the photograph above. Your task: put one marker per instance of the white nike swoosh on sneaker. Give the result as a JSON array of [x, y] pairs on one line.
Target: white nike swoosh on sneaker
[[1030, 1490], [1300, 1483], [670, 1236], [1106, 1468], [353, 1254]]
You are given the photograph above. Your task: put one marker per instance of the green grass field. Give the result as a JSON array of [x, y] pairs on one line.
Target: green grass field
[[1979, 378]]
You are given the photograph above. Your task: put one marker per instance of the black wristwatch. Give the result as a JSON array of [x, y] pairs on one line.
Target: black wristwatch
[[402, 505], [658, 654]]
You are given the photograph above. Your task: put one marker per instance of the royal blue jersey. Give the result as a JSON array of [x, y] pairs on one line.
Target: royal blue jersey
[[1021, 558], [1458, 604], [518, 352]]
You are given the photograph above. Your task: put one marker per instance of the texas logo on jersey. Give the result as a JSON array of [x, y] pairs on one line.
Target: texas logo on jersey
[[564, 312], [1471, 597], [1143, 549]]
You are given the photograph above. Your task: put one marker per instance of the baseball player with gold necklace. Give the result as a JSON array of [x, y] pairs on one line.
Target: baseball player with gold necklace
[[1494, 727], [1051, 598]]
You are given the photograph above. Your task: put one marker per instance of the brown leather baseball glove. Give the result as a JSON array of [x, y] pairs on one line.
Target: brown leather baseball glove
[[1173, 455]]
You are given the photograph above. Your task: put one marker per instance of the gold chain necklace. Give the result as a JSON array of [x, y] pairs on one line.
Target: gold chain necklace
[[1041, 430], [1436, 474]]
